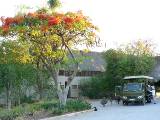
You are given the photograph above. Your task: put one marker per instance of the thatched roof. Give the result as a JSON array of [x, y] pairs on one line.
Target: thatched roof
[[94, 62], [90, 61]]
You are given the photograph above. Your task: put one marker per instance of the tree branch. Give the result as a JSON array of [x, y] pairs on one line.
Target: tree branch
[[70, 78]]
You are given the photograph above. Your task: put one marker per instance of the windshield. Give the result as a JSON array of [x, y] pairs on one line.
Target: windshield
[[132, 87]]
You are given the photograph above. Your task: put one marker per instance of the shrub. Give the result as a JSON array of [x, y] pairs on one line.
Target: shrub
[[1, 109], [77, 105], [11, 114], [22, 110], [95, 87], [50, 106], [57, 111], [26, 99], [71, 106]]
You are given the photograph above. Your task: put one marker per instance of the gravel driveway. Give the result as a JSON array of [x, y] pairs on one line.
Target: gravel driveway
[[119, 112]]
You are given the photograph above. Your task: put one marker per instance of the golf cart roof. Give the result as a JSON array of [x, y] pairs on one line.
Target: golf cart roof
[[138, 77]]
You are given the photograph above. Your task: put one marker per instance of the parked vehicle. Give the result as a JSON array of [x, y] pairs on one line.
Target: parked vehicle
[[135, 89]]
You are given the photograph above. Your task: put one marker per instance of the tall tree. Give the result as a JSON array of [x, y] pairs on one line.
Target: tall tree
[[52, 38], [13, 57], [139, 48], [134, 59], [53, 4]]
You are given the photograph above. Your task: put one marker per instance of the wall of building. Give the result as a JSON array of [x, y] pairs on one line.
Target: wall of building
[[74, 88]]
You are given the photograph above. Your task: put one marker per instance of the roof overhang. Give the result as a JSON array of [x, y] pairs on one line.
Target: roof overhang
[[151, 79], [138, 77]]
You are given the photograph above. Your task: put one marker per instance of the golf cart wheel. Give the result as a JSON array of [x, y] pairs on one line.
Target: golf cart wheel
[[144, 101], [125, 103], [149, 100]]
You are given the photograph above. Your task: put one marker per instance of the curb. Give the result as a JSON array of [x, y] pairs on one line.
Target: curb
[[67, 115]]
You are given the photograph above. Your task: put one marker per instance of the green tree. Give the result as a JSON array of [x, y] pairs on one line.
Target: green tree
[[13, 57], [134, 59], [139, 48], [53, 4], [113, 72]]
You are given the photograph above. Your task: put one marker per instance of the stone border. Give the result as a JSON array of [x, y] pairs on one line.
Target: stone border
[[67, 115]]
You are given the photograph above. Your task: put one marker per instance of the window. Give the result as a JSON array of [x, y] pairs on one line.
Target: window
[[62, 86], [61, 72], [78, 86], [81, 73], [66, 73], [74, 86]]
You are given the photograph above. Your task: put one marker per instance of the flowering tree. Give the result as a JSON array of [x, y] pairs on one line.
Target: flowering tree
[[51, 37]]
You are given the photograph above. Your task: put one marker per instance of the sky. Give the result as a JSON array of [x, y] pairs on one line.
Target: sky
[[119, 21]]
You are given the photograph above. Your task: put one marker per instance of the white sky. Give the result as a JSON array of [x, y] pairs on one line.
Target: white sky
[[120, 21]]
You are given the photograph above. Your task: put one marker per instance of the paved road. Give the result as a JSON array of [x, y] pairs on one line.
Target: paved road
[[120, 112]]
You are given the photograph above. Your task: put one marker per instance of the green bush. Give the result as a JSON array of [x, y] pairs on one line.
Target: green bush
[[23, 110], [72, 106], [95, 87], [57, 111], [50, 106], [1, 109], [26, 99], [77, 105], [11, 114]]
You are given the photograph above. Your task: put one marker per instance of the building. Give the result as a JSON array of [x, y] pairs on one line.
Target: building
[[92, 66]]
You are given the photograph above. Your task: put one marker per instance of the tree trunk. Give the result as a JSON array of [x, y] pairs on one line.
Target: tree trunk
[[39, 81], [19, 100], [19, 96], [8, 99], [40, 94], [62, 95]]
